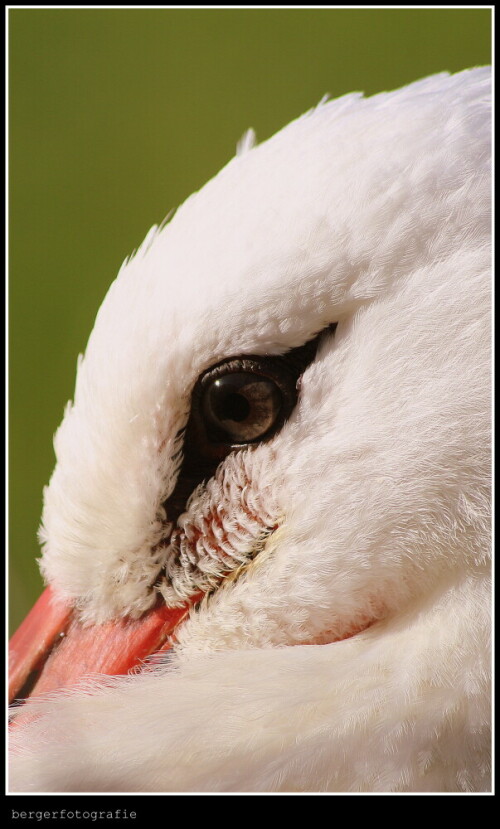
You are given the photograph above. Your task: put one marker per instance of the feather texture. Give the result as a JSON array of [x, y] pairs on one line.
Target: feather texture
[[372, 214]]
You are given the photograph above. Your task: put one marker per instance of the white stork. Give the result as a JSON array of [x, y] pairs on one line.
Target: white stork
[[275, 473]]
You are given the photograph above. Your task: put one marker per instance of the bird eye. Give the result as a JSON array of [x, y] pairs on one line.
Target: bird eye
[[235, 403], [244, 400], [241, 407]]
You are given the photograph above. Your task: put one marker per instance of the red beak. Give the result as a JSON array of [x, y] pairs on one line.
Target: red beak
[[52, 650]]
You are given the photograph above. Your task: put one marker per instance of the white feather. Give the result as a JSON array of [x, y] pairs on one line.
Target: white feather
[[372, 213]]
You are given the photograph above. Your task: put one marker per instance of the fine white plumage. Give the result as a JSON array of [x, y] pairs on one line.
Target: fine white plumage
[[342, 644]]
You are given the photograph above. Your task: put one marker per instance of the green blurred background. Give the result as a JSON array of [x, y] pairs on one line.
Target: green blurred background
[[116, 116]]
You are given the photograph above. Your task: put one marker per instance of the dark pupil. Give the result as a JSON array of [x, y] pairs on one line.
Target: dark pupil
[[240, 407], [233, 407]]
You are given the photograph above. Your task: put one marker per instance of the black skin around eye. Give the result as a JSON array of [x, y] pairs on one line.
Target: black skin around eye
[[204, 448]]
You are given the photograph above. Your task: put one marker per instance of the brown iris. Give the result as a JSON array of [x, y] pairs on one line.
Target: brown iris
[[241, 407]]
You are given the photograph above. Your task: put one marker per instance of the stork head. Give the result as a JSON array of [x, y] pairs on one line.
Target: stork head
[[282, 407]]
